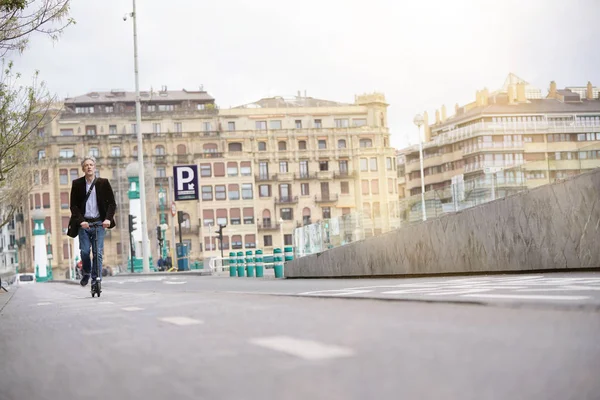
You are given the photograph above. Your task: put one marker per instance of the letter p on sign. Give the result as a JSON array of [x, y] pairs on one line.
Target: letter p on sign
[[186, 182]]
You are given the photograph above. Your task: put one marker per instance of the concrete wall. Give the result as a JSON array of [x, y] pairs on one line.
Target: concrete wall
[[550, 227]]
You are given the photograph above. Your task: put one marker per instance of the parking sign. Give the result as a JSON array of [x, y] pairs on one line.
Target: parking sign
[[186, 182]]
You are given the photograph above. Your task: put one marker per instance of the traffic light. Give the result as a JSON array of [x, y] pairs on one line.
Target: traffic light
[[220, 232], [180, 217], [132, 223]]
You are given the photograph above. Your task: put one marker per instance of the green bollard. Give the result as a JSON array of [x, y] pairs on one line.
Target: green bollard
[[240, 264], [278, 263], [260, 269], [232, 264], [289, 253], [249, 264]]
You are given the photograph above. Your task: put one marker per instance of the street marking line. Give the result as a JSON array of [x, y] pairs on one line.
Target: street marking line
[[44, 304], [336, 292], [526, 297], [306, 349], [174, 283], [462, 292], [132, 309], [181, 321]]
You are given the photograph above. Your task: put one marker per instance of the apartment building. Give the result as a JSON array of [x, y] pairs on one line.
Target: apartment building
[[265, 168], [516, 134]]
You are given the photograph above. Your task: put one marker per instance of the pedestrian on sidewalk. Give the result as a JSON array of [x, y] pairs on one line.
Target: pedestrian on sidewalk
[[93, 210]]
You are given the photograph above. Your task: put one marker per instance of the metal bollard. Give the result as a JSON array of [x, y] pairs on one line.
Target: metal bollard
[[278, 262], [240, 264], [249, 264], [258, 259], [232, 264]]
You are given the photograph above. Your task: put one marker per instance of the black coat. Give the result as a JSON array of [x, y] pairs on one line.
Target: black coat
[[104, 196]]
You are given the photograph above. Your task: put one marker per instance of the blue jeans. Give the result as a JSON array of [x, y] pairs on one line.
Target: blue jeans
[[92, 237]]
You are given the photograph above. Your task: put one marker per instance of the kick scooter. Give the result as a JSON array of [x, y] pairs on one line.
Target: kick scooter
[[96, 287]]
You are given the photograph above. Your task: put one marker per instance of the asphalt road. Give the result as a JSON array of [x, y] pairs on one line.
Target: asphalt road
[[190, 337]]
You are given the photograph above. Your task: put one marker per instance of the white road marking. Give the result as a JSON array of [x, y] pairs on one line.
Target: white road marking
[[181, 321], [174, 283], [306, 349], [132, 309], [526, 297], [43, 304], [334, 292]]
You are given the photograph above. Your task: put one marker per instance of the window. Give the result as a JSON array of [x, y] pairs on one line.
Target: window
[[41, 132], [200, 106], [341, 144], [282, 146], [345, 187], [250, 241], [205, 170], [207, 126], [151, 108], [64, 176], [302, 145], [159, 150], [46, 200], [287, 240], [373, 164], [156, 127], [134, 151], [375, 186], [90, 130], [234, 191], [298, 123], [83, 110], [246, 168], [248, 215], [231, 126], [322, 144], [36, 177], [247, 191], [166, 107], [64, 200], [323, 165], [119, 248], [219, 169], [209, 148], [236, 242], [364, 164], [94, 152], [220, 192], [285, 192], [344, 167], [376, 209], [181, 149], [326, 212], [264, 190], [115, 151], [274, 124], [306, 216], [221, 216], [304, 189], [388, 163], [318, 124], [41, 154], [133, 128], [235, 216], [287, 214], [283, 167], [359, 122], [66, 153], [341, 123], [74, 173], [178, 127], [234, 147], [268, 240], [365, 187], [366, 143], [304, 169], [208, 217], [390, 185], [232, 168], [66, 132], [161, 172], [262, 146], [38, 203], [261, 125], [207, 194], [263, 170]]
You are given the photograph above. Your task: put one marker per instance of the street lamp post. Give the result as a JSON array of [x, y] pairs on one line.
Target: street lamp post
[[281, 231], [138, 114], [418, 120]]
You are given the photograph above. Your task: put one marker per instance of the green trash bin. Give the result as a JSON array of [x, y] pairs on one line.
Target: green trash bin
[[232, 264], [249, 264], [258, 260], [240, 264], [278, 263]]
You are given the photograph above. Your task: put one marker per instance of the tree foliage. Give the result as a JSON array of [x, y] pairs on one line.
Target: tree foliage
[[23, 108]]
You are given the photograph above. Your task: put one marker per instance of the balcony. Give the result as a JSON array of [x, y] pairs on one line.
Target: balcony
[[491, 164], [268, 227], [304, 176], [208, 155], [325, 175], [344, 174], [285, 177], [265, 178], [161, 180], [286, 200], [182, 159], [490, 146], [326, 198], [162, 159]]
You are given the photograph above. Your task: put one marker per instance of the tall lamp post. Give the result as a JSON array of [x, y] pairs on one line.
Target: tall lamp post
[[142, 175], [418, 120]]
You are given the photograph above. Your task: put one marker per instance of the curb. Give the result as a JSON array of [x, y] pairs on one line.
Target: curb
[[192, 273]]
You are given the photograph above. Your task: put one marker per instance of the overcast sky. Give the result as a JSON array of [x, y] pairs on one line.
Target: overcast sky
[[420, 54]]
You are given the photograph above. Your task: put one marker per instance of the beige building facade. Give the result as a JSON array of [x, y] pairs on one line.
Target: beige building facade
[[265, 168]]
